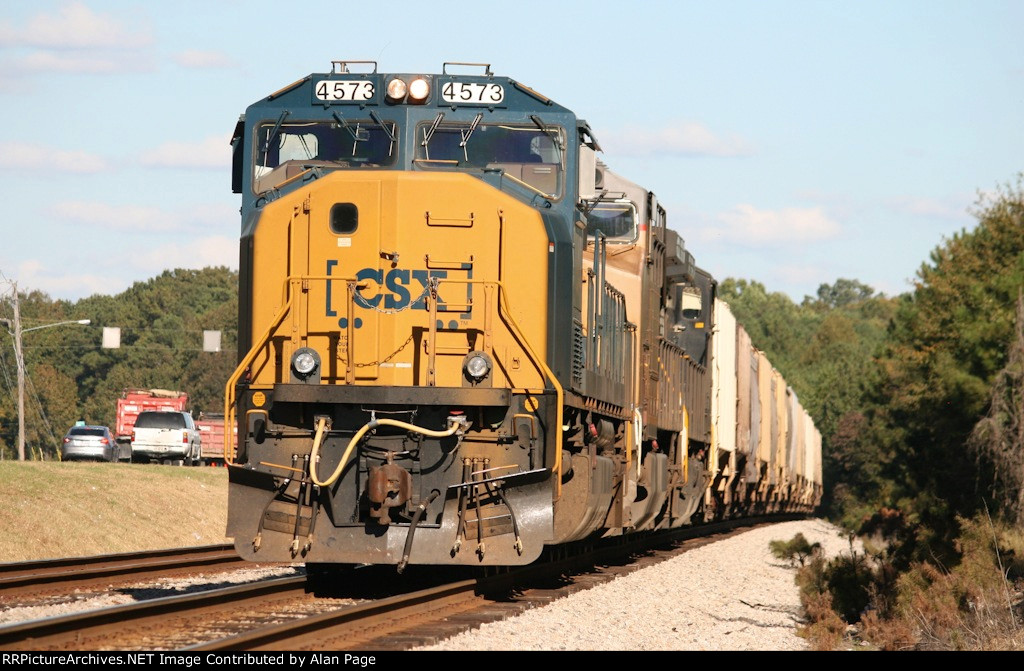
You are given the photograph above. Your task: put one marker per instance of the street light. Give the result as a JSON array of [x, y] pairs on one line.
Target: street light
[[20, 362], [46, 326]]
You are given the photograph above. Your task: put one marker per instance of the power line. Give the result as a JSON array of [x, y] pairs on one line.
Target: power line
[[6, 372], [42, 414]]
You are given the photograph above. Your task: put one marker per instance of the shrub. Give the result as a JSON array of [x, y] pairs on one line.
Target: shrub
[[825, 630], [887, 633], [797, 548], [976, 604]]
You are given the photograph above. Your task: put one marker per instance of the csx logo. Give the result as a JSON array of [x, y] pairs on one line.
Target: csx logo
[[393, 289], [396, 288]]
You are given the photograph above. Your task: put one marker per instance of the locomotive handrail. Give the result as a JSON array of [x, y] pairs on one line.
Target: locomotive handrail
[[289, 297], [537, 361], [229, 390]]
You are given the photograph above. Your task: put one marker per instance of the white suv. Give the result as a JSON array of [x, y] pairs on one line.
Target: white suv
[[170, 437]]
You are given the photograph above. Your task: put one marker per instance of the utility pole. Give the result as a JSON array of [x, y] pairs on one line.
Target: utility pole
[[20, 362], [19, 357]]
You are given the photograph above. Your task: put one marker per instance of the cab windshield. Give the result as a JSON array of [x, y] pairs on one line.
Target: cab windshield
[[284, 150], [531, 155], [616, 220]]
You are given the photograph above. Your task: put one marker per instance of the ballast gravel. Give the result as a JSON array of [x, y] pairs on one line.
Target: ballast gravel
[[729, 595]]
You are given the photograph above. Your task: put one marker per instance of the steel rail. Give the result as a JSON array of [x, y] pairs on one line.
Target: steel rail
[[343, 623], [65, 630], [19, 577]]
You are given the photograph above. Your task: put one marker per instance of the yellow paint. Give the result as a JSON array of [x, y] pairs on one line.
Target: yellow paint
[[399, 214], [306, 292]]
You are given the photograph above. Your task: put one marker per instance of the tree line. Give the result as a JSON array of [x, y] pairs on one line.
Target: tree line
[[918, 396], [72, 378]]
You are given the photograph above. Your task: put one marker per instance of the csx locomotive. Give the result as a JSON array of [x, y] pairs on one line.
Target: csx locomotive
[[463, 338]]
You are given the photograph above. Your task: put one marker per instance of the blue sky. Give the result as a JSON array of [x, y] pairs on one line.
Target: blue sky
[[792, 142]]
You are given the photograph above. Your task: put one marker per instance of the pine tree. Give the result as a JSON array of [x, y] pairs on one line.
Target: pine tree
[[998, 439]]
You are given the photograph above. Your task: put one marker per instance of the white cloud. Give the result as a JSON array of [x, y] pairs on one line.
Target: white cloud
[[74, 26], [146, 219], [89, 63], [749, 226], [213, 153], [203, 60], [33, 274], [138, 258], [948, 208], [214, 250], [24, 156], [115, 217], [683, 138], [800, 275]]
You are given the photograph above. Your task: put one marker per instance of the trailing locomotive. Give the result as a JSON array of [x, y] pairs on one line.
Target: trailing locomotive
[[463, 338]]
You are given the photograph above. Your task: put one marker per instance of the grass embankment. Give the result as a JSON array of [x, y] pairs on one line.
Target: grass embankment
[[53, 509]]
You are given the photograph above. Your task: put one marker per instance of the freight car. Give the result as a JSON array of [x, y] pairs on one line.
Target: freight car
[[463, 338]]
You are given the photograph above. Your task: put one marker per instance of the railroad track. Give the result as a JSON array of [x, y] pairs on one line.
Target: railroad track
[[266, 615], [432, 614], [108, 628], [31, 576]]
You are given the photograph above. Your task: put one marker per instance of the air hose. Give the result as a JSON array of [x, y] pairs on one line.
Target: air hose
[[454, 425]]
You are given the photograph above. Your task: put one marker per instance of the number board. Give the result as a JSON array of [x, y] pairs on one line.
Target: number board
[[472, 93], [345, 90]]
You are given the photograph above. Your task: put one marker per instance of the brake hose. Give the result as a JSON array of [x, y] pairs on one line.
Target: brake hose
[[455, 425]]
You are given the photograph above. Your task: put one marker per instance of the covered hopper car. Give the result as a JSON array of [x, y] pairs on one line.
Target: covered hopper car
[[463, 338]]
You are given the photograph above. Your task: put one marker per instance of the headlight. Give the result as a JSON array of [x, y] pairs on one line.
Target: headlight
[[305, 361], [477, 365], [419, 89], [397, 90]]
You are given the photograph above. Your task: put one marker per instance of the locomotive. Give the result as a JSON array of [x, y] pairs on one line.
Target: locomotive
[[462, 338]]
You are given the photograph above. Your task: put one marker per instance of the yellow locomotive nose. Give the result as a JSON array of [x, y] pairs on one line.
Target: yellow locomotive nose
[[404, 295], [404, 336]]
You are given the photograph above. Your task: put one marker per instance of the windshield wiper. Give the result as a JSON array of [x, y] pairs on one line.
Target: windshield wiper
[[389, 131], [273, 132], [358, 135], [429, 132], [354, 133], [547, 131], [380, 122], [467, 133]]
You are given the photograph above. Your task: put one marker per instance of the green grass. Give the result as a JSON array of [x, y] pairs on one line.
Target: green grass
[[54, 509]]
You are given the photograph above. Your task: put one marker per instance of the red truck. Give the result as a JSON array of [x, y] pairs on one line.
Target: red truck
[[134, 401], [211, 428]]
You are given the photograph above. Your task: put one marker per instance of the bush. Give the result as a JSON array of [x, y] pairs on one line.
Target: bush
[[974, 605], [887, 633], [849, 578], [977, 604], [825, 630], [820, 581], [796, 548]]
